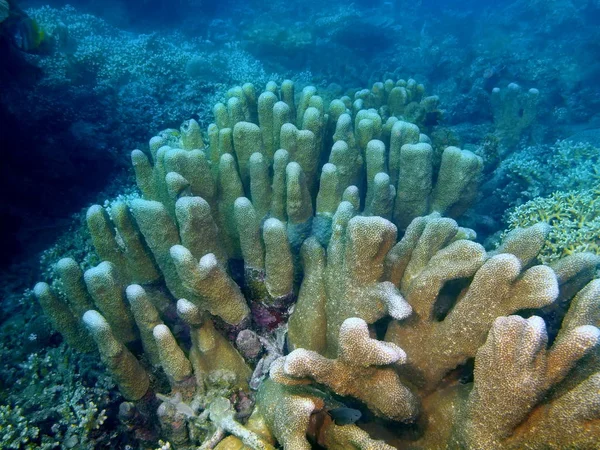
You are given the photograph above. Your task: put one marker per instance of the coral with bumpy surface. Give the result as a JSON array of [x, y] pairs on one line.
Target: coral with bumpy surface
[[310, 197], [573, 216], [355, 372], [524, 388], [514, 113], [453, 329]]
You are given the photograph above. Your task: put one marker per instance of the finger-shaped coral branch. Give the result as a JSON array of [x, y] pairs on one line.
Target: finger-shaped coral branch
[[499, 287], [514, 369], [130, 376], [210, 351], [362, 370], [209, 282], [351, 279], [508, 379], [287, 411]]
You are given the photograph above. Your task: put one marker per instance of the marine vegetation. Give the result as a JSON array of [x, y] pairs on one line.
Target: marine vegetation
[[295, 276]]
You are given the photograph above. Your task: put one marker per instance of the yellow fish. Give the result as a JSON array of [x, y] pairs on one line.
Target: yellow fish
[[21, 30]]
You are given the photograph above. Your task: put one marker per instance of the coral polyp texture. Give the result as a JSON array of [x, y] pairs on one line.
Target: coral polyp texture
[[306, 259], [574, 217], [514, 113]]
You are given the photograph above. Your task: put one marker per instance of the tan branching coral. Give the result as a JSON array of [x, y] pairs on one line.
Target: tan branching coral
[[363, 369], [453, 324], [62, 318], [287, 411], [513, 370], [293, 412], [498, 286], [351, 280], [210, 351], [312, 197], [130, 376], [527, 394]]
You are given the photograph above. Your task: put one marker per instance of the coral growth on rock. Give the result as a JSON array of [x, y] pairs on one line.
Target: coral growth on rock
[[288, 220], [574, 217]]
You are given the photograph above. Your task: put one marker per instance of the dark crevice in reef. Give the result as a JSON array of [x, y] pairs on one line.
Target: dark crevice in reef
[[44, 179]]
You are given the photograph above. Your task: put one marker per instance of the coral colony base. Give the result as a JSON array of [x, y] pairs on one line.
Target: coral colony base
[[434, 339]]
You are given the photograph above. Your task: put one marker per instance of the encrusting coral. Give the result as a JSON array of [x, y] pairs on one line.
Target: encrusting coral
[[312, 197]]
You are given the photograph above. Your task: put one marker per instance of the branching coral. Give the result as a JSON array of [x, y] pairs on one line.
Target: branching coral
[[311, 197], [510, 378], [524, 388], [574, 217], [459, 294], [514, 113], [347, 285], [452, 334], [59, 405], [540, 170], [357, 371]]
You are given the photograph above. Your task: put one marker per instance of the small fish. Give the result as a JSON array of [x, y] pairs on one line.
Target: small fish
[[26, 34], [21, 30], [344, 416]]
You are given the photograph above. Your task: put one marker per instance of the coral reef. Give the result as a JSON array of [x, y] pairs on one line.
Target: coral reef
[[540, 170], [61, 406], [94, 91], [108, 78], [311, 198], [135, 71], [460, 296], [574, 217], [186, 240], [294, 258]]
